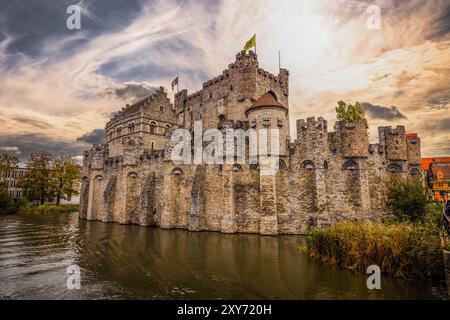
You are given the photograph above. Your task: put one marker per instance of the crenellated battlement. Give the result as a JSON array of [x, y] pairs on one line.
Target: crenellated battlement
[[312, 138], [394, 142], [388, 130], [312, 124], [217, 80], [244, 59], [139, 106], [352, 138]]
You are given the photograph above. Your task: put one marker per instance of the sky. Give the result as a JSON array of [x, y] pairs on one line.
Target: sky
[[59, 87]]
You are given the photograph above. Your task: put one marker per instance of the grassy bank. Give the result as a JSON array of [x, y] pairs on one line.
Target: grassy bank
[[404, 250], [50, 209]]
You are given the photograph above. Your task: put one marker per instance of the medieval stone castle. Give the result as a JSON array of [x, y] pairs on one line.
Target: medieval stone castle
[[323, 176]]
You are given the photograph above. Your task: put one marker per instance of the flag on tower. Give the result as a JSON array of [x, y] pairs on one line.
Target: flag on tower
[[250, 43], [175, 83]]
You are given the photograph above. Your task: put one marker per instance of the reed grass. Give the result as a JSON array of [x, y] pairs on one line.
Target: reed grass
[[403, 249]]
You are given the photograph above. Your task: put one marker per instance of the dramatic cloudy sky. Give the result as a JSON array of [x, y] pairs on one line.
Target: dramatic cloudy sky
[[58, 87]]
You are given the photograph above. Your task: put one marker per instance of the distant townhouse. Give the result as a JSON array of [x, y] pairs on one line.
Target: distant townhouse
[[438, 177]]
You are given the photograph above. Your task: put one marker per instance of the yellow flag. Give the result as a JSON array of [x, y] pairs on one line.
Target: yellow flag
[[250, 43]]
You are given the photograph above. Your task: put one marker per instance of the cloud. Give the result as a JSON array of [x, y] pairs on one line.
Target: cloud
[[440, 25], [39, 124], [10, 150], [28, 143], [439, 125], [95, 137], [129, 91], [439, 103], [441, 148], [381, 112]]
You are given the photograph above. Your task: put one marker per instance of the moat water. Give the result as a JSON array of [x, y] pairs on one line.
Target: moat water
[[132, 262]]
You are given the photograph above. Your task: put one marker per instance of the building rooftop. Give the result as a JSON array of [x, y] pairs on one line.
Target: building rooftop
[[266, 100], [427, 161]]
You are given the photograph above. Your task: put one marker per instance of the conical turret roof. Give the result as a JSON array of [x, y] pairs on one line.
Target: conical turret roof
[[266, 100]]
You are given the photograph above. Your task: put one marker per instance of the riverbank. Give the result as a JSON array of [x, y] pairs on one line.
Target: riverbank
[[50, 209], [405, 250]]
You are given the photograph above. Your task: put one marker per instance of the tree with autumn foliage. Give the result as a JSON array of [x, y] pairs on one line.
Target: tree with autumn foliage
[[65, 176], [37, 180], [8, 162], [50, 177]]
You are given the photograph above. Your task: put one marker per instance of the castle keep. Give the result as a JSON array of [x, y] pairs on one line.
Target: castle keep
[[323, 176]]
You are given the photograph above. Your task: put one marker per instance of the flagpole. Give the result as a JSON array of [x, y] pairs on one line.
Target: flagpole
[[279, 60], [255, 43]]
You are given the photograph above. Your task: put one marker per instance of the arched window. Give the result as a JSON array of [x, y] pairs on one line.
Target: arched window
[[131, 127], [152, 145], [280, 122], [99, 178], [166, 128], [394, 167], [282, 165], [153, 126], [350, 165], [325, 165], [254, 167], [308, 165], [177, 171], [133, 175], [237, 168], [266, 121], [161, 109]]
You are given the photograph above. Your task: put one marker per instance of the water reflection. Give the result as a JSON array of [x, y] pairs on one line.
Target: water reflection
[[148, 263]]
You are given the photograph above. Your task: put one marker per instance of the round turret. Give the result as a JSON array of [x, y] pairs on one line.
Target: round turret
[[267, 113]]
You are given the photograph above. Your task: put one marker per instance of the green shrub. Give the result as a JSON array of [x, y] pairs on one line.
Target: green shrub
[[6, 204], [407, 199], [9, 205], [404, 250]]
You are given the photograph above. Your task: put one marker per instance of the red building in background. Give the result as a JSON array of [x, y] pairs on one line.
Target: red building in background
[[438, 177]]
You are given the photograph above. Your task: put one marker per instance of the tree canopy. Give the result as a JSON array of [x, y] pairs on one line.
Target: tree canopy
[[50, 176], [64, 177], [37, 179], [349, 112], [8, 162]]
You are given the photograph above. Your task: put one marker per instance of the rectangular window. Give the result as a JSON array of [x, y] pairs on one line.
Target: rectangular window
[[221, 107]]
